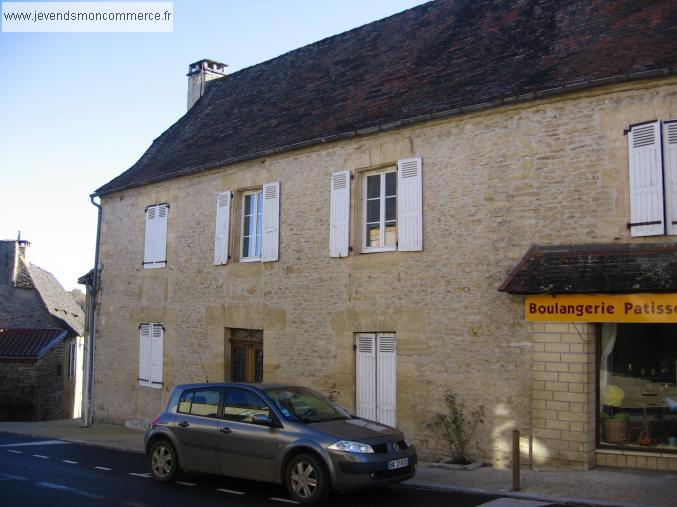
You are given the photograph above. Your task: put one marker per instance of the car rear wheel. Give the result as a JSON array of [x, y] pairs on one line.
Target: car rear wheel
[[307, 479], [164, 465]]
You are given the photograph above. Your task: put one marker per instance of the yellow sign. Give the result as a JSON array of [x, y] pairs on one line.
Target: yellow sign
[[657, 308]]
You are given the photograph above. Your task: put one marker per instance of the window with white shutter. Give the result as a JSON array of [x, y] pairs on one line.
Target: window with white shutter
[[339, 219], [271, 222], [155, 244], [222, 232], [261, 224], [410, 205], [151, 338], [670, 174], [376, 377]]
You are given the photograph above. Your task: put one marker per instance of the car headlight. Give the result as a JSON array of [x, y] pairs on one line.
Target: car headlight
[[348, 446]]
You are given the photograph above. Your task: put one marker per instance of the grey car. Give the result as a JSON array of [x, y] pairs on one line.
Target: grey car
[[276, 433]]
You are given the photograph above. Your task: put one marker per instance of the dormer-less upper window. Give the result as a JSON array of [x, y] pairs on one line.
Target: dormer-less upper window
[[155, 245]]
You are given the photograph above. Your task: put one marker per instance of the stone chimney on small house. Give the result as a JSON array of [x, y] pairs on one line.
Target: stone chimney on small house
[[198, 75], [19, 274]]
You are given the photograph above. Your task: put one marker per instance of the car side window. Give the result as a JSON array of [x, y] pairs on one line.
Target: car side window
[[202, 402], [241, 405]]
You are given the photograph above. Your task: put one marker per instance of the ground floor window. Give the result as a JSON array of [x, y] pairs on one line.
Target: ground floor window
[[246, 352], [376, 377], [638, 386]]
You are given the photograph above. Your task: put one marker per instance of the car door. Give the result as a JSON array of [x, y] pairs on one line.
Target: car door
[[246, 449], [196, 428]]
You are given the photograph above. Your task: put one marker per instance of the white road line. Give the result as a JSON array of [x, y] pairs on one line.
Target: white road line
[[145, 476], [40, 456], [232, 492], [103, 468], [38, 442], [69, 462], [186, 483], [285, 500], [14, 452]]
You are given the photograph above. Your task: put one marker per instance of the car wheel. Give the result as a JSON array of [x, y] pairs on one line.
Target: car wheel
[[307, 479], [164, 465]]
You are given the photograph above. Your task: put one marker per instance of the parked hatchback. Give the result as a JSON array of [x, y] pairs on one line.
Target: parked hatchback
[[276, 433]]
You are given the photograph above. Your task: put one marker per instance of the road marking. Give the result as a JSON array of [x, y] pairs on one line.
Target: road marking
[[145, 476], [513, 502], [14, 452], [40, 456], [232, 492], [39, 442], [103, 468], [61, 487], [285, 500], [186, 483], [69, 462]]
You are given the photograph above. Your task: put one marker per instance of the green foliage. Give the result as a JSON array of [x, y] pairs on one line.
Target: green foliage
[[457, 429]]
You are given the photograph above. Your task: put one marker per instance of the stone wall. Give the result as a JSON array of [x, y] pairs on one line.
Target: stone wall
[[50, 399], [17, 390], [549, 172]]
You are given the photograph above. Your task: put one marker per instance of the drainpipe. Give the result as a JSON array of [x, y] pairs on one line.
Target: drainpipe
[[88, 398]]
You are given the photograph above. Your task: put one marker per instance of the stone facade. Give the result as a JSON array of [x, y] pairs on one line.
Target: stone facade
[[494, 182]]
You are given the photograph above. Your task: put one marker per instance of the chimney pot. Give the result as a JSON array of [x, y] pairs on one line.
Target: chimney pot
[[198, 74]]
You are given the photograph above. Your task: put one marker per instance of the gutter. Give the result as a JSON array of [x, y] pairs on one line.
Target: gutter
[[483, 106], [88, 395]]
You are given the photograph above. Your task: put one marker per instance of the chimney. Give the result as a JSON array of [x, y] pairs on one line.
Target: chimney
[[20, 253], [198, 74]]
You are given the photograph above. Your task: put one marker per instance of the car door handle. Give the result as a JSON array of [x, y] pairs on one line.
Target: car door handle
[[225, 429], [184, 424]]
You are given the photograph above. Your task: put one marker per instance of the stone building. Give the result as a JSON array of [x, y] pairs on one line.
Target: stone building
[[342, 216], [41, 344]]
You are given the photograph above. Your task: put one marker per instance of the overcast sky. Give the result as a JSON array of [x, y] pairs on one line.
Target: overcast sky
[[77, 109]]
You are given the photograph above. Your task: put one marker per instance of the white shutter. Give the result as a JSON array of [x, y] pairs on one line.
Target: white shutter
[[670, 154], [646, 180], [157, 338], [222, 228], [149, 243], [365, 372], [161, 229], [386, 385], [409, 205], [144, 354], [271, 222], [339, 220]]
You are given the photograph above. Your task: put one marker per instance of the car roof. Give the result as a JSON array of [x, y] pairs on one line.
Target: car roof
[[258, 387]]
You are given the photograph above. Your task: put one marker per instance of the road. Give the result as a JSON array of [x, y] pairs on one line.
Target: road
[[37, 471]]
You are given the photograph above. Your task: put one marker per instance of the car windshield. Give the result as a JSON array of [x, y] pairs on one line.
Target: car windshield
[[305, 405]]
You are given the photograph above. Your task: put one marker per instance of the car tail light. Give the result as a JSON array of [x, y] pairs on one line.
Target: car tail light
[[155, 421]]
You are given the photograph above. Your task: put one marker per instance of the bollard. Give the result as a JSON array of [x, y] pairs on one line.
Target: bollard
[[516, 460]]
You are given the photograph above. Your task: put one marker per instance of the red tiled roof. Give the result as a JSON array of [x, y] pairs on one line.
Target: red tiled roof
[[22, 343]]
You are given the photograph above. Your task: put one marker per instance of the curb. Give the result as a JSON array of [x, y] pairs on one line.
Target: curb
[[76, 441], [514, 494]]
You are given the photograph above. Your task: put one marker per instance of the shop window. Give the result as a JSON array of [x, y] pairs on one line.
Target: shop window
[[638, 386], [246, 352]]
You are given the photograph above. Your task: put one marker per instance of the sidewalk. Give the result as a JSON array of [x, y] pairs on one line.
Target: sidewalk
[[602, 486]]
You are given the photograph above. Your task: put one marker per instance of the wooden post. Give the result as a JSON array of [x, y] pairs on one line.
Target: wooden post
[[516, 460]]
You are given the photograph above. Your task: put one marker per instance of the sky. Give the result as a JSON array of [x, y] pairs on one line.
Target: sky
[[77, 109]]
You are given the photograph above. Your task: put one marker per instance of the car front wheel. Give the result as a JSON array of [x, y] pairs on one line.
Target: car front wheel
[[164, 465], [307, 479]]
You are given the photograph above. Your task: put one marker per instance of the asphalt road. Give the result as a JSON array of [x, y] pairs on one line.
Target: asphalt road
[[37, 471]]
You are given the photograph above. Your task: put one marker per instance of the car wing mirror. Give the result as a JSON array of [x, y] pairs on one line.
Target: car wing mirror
[[264, 420]]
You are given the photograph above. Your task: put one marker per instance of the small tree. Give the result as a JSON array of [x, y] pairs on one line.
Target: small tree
[[456, 429]]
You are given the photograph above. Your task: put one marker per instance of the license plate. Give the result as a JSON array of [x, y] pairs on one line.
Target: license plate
[[398, 463]]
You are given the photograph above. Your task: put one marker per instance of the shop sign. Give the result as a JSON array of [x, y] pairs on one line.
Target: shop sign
[[657, 308]]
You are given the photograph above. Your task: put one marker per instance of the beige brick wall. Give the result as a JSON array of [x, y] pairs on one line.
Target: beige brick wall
[[494, 183]]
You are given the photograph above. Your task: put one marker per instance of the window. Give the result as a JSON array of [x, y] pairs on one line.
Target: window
[[202, 402], [638, 386], [246, 355], [652, 154], [155, 245], [376, 379], [252, 222], [380, 210], [241, 405], [72, 356], [151, 337], [222, 233]]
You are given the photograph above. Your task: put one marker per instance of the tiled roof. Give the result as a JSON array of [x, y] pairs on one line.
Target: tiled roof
[[22, 343], [58, 302], [436, 59], [596, 268]]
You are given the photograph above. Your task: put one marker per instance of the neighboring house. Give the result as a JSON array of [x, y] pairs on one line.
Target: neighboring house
[[342, 216], [41, 329]]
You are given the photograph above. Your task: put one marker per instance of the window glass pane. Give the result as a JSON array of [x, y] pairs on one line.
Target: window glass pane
[[238, 369], [247, 226], [638, 386], [373, 210], [373, 186], [391, 183], [373, 235], [249, 204], [259, 366], [391, 234], [205, 402], [391, 208], [184, 402], [242, 405]]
